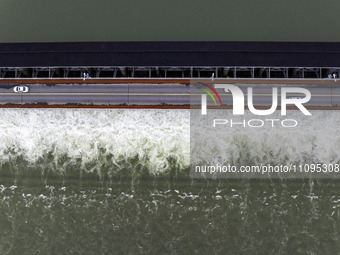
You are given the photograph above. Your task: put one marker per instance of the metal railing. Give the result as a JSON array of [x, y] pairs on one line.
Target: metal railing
[[170, 72]]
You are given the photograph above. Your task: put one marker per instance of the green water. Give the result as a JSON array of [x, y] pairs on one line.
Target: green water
[[170, 217], [154, 20]]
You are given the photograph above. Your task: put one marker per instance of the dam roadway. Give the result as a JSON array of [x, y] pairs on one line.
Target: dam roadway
[[157, 93]]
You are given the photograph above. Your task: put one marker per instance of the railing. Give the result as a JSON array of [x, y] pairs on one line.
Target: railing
[[170, 72]]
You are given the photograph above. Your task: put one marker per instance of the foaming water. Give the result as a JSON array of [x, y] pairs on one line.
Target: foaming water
[[102, 141], [150, 142], [176, 216], [315, 139]]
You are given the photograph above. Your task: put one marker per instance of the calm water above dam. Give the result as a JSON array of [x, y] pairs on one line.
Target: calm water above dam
[[169, 20]]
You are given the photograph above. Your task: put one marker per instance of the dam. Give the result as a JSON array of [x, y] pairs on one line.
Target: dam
[[103, 179], [296, 60], [132, 40]]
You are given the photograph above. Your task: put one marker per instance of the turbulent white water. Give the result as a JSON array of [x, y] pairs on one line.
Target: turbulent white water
[[316, 139], [96, 138], [156, 141], [39, 212]]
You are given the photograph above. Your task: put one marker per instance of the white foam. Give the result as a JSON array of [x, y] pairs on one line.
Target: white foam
[[152, 136], [119, 138], [315, 139]]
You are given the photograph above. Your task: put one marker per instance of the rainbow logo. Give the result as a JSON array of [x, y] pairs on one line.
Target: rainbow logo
[[201, 87]]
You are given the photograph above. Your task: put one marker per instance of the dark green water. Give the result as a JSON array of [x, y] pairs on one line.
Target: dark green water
[[169, 20], [169, 216]]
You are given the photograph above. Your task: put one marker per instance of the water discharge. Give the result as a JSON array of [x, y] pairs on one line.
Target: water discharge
[[149, 142], [107, 142], [242, 141], [117, 182]]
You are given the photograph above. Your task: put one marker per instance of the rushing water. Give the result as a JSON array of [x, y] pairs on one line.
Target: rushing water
[[117, 182], [314, 140], [103, 143]]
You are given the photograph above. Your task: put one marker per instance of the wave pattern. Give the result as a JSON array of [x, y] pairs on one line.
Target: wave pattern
[[94, 141], [137, 143], [316, 139]]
